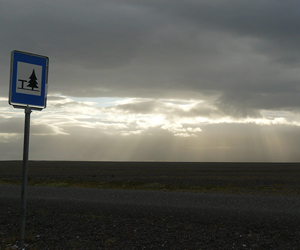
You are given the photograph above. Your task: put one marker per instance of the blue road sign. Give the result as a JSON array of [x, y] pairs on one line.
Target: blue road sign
[[28, 80]]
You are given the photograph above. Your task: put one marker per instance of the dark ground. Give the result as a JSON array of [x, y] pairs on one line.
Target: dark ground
[[74, 224], [277, 178]]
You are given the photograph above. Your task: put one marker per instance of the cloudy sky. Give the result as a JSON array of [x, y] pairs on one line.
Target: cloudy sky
[[161, 80]]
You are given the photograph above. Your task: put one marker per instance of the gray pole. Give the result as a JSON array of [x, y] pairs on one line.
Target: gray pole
[[24, 177]]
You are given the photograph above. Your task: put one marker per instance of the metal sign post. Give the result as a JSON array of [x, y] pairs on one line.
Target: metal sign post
[[27, 90], [24, 175]]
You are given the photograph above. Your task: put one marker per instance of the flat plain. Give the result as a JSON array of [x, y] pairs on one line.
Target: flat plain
[[254, 178], [88, 205]]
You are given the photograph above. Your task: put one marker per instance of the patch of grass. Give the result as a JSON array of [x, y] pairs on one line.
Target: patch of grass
[[230, 189], [10, 182]]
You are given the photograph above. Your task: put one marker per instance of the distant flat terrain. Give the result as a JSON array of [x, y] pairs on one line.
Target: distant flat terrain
[[273, 178]]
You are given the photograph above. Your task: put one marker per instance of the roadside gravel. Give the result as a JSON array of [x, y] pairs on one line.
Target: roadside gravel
[[74, 218]]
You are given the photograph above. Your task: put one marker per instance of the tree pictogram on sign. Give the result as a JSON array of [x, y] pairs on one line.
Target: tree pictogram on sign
[[32, 82]]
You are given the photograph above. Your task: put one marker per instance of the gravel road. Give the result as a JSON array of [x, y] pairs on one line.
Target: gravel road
[[74, 218], [206, 206]]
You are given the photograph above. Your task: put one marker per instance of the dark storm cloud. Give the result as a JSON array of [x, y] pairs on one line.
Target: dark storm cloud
[[91, 33], [237, 105], [244, 51], [243, 104], [277, 21], [166, 108], [109, 33], [143, 107]]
